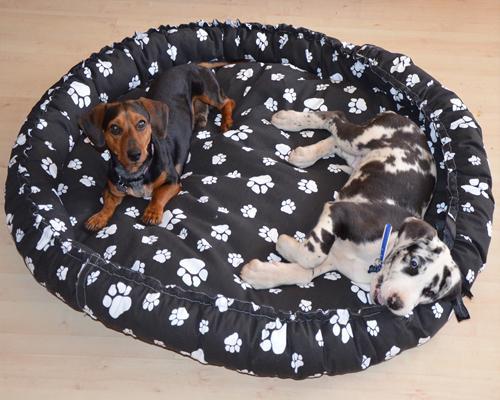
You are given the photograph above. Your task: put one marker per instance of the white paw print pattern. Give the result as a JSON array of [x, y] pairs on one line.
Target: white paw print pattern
[[223, 303], [336, 78], [233, 343], [332, 276], [441, 208], [153, 68], [271, 104], [393, 352], [162, 256], [399, 64], [171, 218], [477, 188], [308, 186], [468, 208], [268, 161], [297, 362], [315, 104], [248, 211], [134, 82], [282, 151], [178, 316], [457, 104], [49, 167], [132, 212], [79, 93], [269, 234], [105, 67], [141, 39], [202, 35], [277, 77], [412, 80], [341, 326], [290, 95], [117, 300], [305, 305], [203, 245], [437, 310], [106, 232], [470, 276], [203, 326], [288, 206], [203, 135], [235, 259], [372, 327], [365, 362], [109, 252], [239, 134], [192, 271], [219, 159], [61, 273], [171, 51], [357, 105], [244, 74], [138, 266], [260, 184], [273, 337], [151, 301], [221, 232], [87, 180], [151, 239], [261, 41], [474, 160], [358, 68], [361, 294], [396, 95], [92, 277], [244, 285], [209, 180]]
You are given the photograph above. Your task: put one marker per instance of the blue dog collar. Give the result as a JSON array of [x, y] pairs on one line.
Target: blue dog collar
[[377, 266]]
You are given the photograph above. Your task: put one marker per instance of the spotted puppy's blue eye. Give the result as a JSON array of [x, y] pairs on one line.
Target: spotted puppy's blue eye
[[414, 263]]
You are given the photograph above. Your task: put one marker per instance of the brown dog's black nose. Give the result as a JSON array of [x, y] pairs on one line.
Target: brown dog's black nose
[[134, 154], [394, 302]]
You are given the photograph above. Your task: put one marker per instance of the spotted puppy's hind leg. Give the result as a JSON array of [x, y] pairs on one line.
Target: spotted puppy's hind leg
[[305, 156], [314, 250]]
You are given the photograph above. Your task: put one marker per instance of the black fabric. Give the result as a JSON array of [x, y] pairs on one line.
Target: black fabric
[[176, 285]]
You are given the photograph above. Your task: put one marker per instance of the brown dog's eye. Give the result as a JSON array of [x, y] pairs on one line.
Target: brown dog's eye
[[141, 125], [115, 129]]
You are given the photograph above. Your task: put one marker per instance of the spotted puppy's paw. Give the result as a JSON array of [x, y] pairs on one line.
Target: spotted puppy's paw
[[288, 120], [153, 214], [302, 157], [97, 221], [261, 275]]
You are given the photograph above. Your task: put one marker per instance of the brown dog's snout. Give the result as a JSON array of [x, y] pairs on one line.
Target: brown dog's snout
[[134, 154]]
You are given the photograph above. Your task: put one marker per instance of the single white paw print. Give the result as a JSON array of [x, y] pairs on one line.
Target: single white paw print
[[288, 206], [183, 234], [219, 159], [237, 41], [441, 208], [79, 93], [268, 161], [350, 89], [283, 40], [151, 301], [357, 106], [399, 64], [272, 257], [171, 218], [162, 256], [244, 285], [474, 160], [336, 78], [396, 95], [290, 95], [105, 67], [221, 232], [260, 184], [41, 124], [488, 228], [315, 104], [234, 174], [423, 340], [149, 239], [132, 212], [87, 180], [282, 151], [248, 211], [209, 180], [235, 259], [365, 362], [261, 41], [171, 51], [58, 225], [341, 325], [437, 310], [468, 207], [134, 82], [49, 167], [138, 226], [192, 271], [361, 294], [117, 300], [223, 303], [372, 327], [178, 316], [308, 185], [239, 134], [358, 68], [412, 80], [457, 104], [271, 104], [203, 199], [297, 362], [309, 56], [203, 327], [103, 97], [394, 351], [61, 273], [277, 77], [476, 188], [305, 305], [319, 338], [106, 155], [92, 277], [322, 86], [470, 276], [141, 39], [202, 135], [203, 245], [109, 252], [233, 343], [75, 164], [299, 236], [87, 72], [153, 68], [307, 134], [107, 231], [138, 266], [201, 34], [244, 74], [269, 234]]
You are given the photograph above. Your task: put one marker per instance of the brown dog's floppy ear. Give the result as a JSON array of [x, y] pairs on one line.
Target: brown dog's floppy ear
[[91, 124], [158, 115]]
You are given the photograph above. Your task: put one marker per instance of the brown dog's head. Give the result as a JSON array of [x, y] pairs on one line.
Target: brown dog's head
[[126, 128]]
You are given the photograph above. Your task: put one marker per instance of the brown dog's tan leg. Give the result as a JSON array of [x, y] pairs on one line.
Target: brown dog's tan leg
[[99, 220], [227, 114], [153, 213]]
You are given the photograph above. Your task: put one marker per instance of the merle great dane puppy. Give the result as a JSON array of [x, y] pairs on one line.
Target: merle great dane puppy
[[392, 177]]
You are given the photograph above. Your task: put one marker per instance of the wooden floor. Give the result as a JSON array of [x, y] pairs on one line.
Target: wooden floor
[[48, 350]]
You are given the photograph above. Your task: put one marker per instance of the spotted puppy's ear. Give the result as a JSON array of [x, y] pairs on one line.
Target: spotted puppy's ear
[[91, 124], [158, 115], [416, 229]]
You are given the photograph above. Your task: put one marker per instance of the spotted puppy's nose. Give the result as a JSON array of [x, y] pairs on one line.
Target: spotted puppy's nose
[[394, 302], [134, 154]]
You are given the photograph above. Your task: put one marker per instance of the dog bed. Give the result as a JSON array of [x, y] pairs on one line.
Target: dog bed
[[177, 285]]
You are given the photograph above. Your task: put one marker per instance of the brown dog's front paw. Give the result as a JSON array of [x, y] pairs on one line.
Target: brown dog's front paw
[[226, 125], [96, 222], [152, 215]]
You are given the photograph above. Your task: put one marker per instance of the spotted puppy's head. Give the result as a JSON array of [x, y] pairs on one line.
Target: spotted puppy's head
[[418, 270], [126, 128]]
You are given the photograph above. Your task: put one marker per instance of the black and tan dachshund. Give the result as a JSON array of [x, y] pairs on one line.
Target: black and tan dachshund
[[149, 138]]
